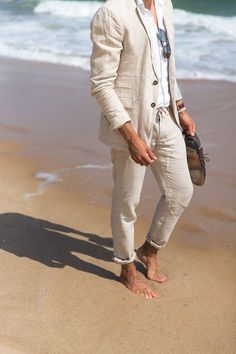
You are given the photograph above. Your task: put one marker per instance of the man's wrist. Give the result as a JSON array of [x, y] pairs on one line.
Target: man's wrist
[[180, 106], [183, 113], [128, 132]]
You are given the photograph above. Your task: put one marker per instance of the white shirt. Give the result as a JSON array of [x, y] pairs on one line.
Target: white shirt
[[163, 98]]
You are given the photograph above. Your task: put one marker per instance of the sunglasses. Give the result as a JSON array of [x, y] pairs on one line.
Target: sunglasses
[[162, 36]]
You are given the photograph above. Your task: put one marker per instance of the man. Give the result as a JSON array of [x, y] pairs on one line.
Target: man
[[133, 80]]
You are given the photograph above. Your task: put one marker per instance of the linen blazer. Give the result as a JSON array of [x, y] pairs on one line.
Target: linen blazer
[[124, 77]]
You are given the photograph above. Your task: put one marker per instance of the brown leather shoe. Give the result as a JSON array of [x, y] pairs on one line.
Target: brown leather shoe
[[196, 159]]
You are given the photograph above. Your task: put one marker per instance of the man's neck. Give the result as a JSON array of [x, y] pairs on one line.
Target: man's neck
[[148, 4]]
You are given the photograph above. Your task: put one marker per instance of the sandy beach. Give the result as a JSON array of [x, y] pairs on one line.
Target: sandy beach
[[60, 292]]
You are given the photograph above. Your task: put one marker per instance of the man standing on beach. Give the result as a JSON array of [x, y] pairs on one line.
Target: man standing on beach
[[143, 114]]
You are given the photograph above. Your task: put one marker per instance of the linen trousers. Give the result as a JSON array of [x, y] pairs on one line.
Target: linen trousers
[[172, 175]]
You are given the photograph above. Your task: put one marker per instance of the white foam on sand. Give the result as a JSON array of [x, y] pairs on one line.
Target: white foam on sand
[[47, 179], [88, 166]]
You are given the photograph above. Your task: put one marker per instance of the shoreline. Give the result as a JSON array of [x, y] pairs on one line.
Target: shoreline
[[83, 70], [56, 247]]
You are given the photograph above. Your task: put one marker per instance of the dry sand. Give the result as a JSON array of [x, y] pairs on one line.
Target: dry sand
[[59, 288]]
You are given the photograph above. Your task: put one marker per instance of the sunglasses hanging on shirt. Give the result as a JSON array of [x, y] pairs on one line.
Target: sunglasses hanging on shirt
[[162, 36]]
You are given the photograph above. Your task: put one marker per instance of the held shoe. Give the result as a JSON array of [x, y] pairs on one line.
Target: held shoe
[[196, 159]]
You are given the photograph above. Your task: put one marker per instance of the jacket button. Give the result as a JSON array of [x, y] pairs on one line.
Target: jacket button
[[153, 104], [155, 82]]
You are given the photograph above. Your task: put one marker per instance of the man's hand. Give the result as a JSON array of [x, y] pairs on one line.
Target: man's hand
[[139, 150], [187, 123]]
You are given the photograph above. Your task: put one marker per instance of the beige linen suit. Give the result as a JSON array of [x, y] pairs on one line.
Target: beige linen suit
[[124, 81]]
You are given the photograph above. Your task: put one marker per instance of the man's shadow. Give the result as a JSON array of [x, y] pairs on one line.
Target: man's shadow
[[46, 242]]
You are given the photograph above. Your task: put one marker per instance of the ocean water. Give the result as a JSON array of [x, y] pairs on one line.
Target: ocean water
[[57, 31]]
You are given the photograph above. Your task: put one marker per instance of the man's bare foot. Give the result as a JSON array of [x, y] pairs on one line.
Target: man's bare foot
[[131, 279], [147, 254]]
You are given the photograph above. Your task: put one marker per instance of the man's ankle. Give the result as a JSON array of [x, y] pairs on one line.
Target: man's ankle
[[129, 268], [149, 249]]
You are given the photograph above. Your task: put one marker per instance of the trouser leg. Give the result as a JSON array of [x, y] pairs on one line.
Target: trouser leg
[[172, 174], [128, 179]]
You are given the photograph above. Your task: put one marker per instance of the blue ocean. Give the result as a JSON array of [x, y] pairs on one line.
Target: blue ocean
[[57, 31]]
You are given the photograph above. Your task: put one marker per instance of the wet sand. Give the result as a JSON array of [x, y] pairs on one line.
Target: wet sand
[[60, 291]]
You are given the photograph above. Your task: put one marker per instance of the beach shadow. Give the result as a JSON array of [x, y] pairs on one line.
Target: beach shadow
[[46, 242]]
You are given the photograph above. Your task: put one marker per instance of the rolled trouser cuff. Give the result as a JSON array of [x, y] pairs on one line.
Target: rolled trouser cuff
[[154, 244], [121, 261]]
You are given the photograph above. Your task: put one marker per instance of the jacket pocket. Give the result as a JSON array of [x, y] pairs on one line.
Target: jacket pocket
[[128, 102], [125, 95]]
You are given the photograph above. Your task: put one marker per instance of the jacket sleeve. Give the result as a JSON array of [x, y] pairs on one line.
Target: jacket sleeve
[[107, 36]]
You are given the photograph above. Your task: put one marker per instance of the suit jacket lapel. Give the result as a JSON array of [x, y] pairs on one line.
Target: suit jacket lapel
[[170, 34], [168, 22], [143, 24]]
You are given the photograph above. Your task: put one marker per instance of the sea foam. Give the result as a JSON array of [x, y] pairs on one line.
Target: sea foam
[[68, 9], [47, 180], [217, 25]]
